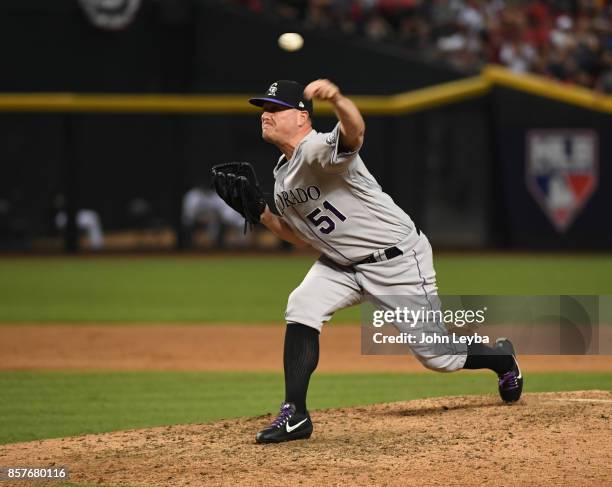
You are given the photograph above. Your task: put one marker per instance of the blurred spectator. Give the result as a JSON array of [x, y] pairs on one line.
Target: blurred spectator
[[518, 56], [377, 28], [570, 40]]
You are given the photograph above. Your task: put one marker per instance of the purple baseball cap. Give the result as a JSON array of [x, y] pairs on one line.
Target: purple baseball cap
[[286, 93]]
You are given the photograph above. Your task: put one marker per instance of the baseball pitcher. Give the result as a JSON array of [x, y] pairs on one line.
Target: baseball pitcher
[[326, 198]]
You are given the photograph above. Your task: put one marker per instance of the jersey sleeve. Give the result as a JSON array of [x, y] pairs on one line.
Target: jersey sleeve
[[324, 151]]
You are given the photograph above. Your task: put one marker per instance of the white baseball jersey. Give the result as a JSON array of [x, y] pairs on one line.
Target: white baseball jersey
[[330, 199]]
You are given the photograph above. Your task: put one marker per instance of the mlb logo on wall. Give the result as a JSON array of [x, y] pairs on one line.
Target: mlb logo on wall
[[562, 171]]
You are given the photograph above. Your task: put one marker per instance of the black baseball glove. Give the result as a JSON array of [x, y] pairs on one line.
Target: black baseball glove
[[236, 183]]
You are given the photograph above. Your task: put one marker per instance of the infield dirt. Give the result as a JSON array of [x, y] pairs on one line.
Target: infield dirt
[[214, 348], [543, 440]]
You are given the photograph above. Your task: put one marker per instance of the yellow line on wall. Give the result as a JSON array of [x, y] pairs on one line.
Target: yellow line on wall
[[104, 103], [412, 101], [547, 88], [232, 104], [416, 100]]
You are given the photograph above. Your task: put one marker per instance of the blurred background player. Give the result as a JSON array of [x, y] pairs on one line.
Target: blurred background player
[[204, 210]]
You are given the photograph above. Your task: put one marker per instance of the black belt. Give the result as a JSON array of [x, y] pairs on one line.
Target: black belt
[[389, 253]]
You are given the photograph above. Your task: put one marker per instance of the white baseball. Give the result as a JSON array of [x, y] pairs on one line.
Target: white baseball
[[291, 41]]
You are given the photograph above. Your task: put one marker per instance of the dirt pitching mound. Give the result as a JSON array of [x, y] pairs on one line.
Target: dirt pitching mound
[[545, 439]]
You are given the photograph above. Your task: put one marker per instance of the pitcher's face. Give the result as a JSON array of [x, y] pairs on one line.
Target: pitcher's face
[[280, 124]]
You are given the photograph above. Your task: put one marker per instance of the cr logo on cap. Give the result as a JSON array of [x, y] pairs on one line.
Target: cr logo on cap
[[272, 89]]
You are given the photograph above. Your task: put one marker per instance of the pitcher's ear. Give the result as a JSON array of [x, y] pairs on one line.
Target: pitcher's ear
[[304, 118]]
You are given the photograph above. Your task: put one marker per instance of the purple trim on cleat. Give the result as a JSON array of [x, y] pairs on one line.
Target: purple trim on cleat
[[287, 410], [508, 381]]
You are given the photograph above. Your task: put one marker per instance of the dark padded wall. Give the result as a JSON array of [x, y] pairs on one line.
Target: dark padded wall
[[458, 170]]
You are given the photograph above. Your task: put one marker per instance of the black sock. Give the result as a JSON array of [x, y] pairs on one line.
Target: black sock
[[301, 357], [480, 356]]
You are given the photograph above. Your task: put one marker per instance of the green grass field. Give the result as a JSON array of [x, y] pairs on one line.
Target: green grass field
[[247, 289], [58, 404]]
